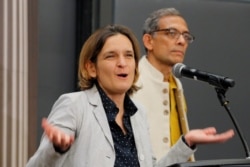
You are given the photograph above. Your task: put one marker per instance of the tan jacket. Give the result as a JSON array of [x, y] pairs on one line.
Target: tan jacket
[[154, 95]]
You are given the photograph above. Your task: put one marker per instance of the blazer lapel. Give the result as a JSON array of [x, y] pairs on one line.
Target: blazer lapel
[[99, 113]]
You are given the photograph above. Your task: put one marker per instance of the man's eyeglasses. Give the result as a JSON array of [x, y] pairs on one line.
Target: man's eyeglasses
[[175, 34]]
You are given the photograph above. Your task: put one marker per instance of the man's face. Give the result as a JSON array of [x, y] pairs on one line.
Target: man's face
[[168, 45]]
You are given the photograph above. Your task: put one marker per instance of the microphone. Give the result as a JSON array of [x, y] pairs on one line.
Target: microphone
[[181, 70]]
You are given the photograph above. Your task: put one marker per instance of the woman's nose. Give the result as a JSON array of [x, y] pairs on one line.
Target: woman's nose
[[122, 61]]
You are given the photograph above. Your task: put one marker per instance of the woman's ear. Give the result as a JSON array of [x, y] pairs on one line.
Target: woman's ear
[[90, 66], [147, 41]]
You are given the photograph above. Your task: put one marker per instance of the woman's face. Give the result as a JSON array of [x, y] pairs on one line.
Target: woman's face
[[115, 66]]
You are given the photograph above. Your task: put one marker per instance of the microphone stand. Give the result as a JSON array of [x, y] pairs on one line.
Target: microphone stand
[[224, 102]]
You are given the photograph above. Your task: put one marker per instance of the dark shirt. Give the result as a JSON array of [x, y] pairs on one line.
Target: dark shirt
[[126, 153]]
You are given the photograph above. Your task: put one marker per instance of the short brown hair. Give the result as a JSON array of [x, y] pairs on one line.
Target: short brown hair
[[93, 46]]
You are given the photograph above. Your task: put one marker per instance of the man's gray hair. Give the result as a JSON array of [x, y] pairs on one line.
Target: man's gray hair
[[151, 23]]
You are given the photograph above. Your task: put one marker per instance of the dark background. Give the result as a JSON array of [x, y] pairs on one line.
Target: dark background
[[222, 31]]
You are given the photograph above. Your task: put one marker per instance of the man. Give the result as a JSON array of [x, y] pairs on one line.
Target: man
[[166, 37]]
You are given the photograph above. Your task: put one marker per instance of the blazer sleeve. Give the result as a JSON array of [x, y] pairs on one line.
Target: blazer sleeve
[[62, 116], [179, 153]]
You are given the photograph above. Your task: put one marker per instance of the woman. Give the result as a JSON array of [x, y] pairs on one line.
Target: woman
[[101, 125]]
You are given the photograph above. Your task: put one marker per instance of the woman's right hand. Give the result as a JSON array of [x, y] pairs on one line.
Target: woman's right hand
[[59, 139]]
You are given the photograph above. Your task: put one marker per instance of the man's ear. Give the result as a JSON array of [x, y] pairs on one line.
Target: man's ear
[[90, 66], [147, 41]]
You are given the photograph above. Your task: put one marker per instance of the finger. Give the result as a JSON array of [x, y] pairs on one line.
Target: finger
[[210, 130], [72, 139], [58, 138], [222, 137], [66, 140], [44, 123], [48, 130], [230, 131], [228, 134], [62, 138]]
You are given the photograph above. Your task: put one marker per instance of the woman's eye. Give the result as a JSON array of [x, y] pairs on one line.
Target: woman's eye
[[130, 55], [109, 56]]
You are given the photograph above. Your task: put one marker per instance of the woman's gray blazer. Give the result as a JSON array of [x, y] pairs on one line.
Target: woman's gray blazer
[[82, 114]]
